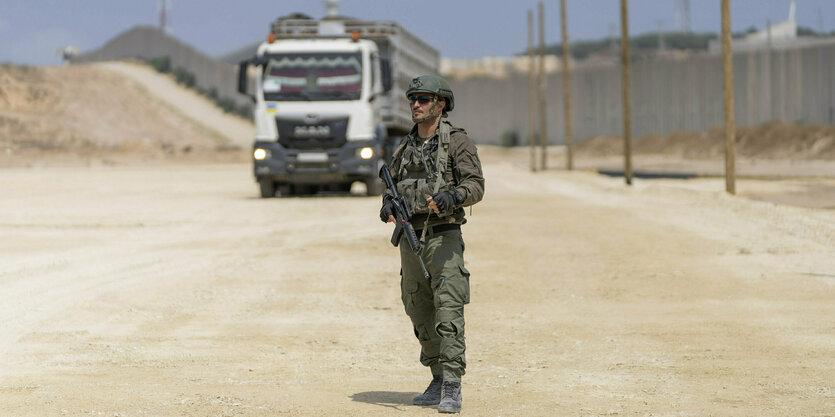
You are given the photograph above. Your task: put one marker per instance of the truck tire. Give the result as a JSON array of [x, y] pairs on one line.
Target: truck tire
[[304, 189], [374, 186], [267, 188]]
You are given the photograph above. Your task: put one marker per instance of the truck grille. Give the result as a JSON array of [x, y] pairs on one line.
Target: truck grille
[[296, 133]]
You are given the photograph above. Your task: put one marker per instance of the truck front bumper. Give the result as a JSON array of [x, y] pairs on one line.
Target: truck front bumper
[[316, 166]]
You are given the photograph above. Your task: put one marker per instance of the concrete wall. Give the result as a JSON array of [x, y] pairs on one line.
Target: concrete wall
[[795, 84], [667, 95], [147, 42]]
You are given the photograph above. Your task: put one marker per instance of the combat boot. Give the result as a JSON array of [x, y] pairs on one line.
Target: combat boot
[[432, 395], [450, 398]]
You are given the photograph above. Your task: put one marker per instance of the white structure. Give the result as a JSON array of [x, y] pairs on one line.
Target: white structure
[[68, 53], [783, 30], [332, 7], [777, 36], [164, 9]]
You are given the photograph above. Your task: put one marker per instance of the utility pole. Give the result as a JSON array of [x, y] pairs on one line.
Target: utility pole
[[683, 15], [661, 45], [821, 30], [543, 135], [531, 91], [728, 71], [164, 9], [626, 77], [566, 88], [613, 37]]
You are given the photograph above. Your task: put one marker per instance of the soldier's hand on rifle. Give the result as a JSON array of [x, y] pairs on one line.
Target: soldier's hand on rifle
[[444, 201], [387, 211]]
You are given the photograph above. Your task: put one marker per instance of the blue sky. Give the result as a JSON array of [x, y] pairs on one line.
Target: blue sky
[[31, 31]]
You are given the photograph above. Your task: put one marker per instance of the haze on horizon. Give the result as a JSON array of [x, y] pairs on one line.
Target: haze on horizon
[[31, 32]]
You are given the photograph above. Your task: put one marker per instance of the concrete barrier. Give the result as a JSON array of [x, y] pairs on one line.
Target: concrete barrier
[[790, 85], [146, 42]]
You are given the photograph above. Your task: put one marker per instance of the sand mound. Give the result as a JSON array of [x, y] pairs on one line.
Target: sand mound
[[85, 110], [774, 140]]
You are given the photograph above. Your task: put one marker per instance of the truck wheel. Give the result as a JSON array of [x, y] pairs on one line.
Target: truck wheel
[[374, 186], [304, 189], [267, 188]]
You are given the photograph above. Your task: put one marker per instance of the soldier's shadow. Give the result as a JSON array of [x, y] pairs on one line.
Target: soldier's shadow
[[388, 399]]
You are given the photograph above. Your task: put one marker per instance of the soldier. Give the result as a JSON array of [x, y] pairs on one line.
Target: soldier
[[437, 169]]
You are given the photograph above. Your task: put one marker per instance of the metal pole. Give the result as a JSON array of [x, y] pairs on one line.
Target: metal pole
[[627, 107], [728, 70], [661, 46], [531, 90], [566, 88], [543, 128]]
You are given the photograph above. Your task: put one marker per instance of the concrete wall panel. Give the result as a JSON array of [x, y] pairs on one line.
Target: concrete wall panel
[[668, 95]]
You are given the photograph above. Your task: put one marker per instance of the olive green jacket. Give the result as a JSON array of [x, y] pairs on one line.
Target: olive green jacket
[[462, 173]]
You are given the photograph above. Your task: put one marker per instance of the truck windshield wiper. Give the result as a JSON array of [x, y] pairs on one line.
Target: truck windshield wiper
[[338, 94], [295, 96]]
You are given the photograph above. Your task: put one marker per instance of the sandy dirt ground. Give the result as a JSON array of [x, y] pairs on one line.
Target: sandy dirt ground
[[140, 277], [796, 182], [151, 291]]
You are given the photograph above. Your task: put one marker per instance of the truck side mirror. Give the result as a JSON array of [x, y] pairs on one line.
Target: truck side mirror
[[385, 69], [243, 80]]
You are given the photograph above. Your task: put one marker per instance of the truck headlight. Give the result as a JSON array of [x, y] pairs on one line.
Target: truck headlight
[[366, 153], [259, 154]]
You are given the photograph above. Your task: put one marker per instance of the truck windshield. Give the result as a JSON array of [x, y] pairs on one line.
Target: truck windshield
[[313, 77]]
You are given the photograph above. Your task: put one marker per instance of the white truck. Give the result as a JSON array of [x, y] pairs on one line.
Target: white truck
[[329, 105]]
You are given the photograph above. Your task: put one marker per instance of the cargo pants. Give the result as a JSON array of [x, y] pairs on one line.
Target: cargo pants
[[436, 306]]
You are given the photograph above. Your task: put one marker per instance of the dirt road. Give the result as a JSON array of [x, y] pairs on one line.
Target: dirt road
[[143, 291], [194, 107]]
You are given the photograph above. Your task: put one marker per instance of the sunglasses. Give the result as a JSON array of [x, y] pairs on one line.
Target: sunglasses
[[420, 99]]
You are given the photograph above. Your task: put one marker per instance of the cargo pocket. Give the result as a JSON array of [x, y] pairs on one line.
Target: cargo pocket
[[466, 274], [407, 294], [454, 290]]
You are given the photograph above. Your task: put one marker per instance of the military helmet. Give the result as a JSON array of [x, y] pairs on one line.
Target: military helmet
[[435, 85]]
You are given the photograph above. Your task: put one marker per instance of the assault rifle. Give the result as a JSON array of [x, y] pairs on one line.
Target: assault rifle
[[402, 216]]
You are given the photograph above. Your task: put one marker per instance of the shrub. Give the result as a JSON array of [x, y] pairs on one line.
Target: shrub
[[509, 139], [184, 77], [161, 64]]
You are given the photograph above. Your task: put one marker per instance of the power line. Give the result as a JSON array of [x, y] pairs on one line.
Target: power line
[[164, 10], [683, 15]]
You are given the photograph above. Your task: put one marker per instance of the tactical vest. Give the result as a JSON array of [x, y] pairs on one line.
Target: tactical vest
[[414, 179]]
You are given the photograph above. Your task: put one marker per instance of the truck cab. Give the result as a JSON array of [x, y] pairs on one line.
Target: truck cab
[[317, 117], [325, 112]]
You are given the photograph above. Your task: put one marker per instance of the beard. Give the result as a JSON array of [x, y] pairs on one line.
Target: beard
[[429, 115]]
